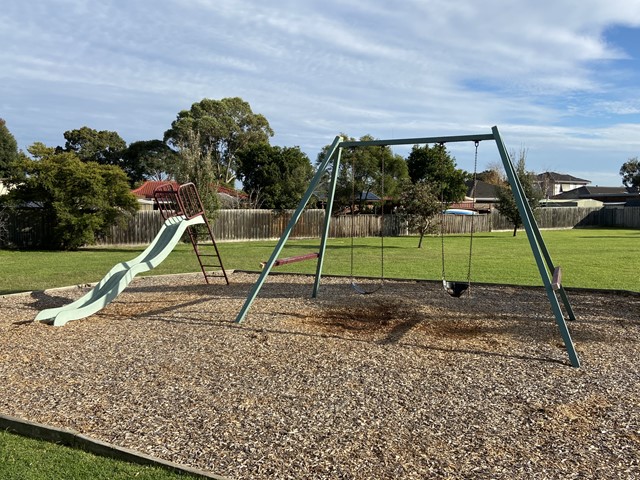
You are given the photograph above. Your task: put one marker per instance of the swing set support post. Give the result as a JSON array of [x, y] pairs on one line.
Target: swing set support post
[[540, 252], [327, 219], [285, 236]]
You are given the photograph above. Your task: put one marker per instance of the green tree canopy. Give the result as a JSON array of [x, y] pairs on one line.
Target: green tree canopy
[[104, 147], [361, 173], [149, 160], [8, 149], [436, 166], [506, 201], [274, 177], [630, 172], [81, 199], [221, 128], [419, 205]]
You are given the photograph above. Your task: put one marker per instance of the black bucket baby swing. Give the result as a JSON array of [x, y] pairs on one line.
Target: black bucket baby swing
[[458, 288]]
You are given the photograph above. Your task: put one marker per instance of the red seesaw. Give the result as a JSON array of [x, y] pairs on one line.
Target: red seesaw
[[298, 258]]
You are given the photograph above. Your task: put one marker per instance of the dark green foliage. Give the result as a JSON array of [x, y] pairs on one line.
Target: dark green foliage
[[81, 198], [630, 172], [506, 201], [218, 129], [104, 147], [148, 160], [8, 149], [419, 206], [434, 165], [361, 173], [274, 177]]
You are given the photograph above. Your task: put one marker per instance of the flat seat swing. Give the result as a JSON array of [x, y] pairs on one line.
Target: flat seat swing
[[370, 288]]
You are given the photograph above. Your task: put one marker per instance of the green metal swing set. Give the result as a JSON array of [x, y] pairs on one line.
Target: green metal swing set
[[549, 272]]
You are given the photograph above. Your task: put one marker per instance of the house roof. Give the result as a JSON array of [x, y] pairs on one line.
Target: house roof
[[146, 190], [368, 197], [597, 193], [561, 178], [484, 190]]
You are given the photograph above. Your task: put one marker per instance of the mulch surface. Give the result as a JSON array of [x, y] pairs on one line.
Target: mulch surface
[[404, 383]]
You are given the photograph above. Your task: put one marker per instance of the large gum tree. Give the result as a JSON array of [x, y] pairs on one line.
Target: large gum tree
[[219, 129]]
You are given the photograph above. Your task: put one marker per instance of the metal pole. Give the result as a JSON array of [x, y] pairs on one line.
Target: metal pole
[[285, 236], [327, 221], [537, 246]]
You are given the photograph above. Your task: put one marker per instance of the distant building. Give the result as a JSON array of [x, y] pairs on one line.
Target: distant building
[[607, 195], [552, 183], [229, 198], [482, 198]]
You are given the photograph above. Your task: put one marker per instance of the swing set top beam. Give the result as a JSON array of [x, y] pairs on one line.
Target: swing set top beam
[[417, 141]]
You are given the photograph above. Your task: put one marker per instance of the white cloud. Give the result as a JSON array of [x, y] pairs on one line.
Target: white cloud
[[389, 68]]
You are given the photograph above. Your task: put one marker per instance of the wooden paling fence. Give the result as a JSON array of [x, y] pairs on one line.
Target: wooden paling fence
[[27, 229], [243, 225]]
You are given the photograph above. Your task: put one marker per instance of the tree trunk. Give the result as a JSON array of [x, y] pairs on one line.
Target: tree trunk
[[420, 241], [515, 230]]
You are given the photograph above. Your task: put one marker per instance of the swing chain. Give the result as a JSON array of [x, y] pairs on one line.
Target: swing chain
[[355, 286], [455, 288], [473, 196]]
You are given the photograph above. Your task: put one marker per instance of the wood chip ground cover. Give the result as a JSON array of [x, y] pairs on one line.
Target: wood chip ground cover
[[405, 383]]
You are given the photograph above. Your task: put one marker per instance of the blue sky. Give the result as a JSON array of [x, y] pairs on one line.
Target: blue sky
[[559, 78]]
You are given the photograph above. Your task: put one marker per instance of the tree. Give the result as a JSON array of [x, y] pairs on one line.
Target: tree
[[436, 166], [149, 160], [493, 175], [506, 201], [103, 147], [194, 166], [221, 128], [8, 149], [81, 199], [274, 177], [630, 172], [361, 173], [419, 204]]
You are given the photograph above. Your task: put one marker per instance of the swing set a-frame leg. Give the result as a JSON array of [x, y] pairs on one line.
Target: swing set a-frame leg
[[540, 252], [315, 181]]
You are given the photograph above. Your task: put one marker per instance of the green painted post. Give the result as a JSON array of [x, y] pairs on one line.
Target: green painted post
[[285, 236], [327, 221], [538, 247]]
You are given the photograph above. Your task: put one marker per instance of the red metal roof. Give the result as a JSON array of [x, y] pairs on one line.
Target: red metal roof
[[147, 188]]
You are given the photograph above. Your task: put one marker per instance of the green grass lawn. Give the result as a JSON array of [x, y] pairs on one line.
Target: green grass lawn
[[590, 258], [27, 459]]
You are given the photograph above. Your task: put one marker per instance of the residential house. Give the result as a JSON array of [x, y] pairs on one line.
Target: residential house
[[229, 198], [482, 199], [552, 183], [607, 195]]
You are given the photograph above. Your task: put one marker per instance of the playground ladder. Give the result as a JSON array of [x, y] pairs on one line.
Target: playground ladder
[[186, 201]]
